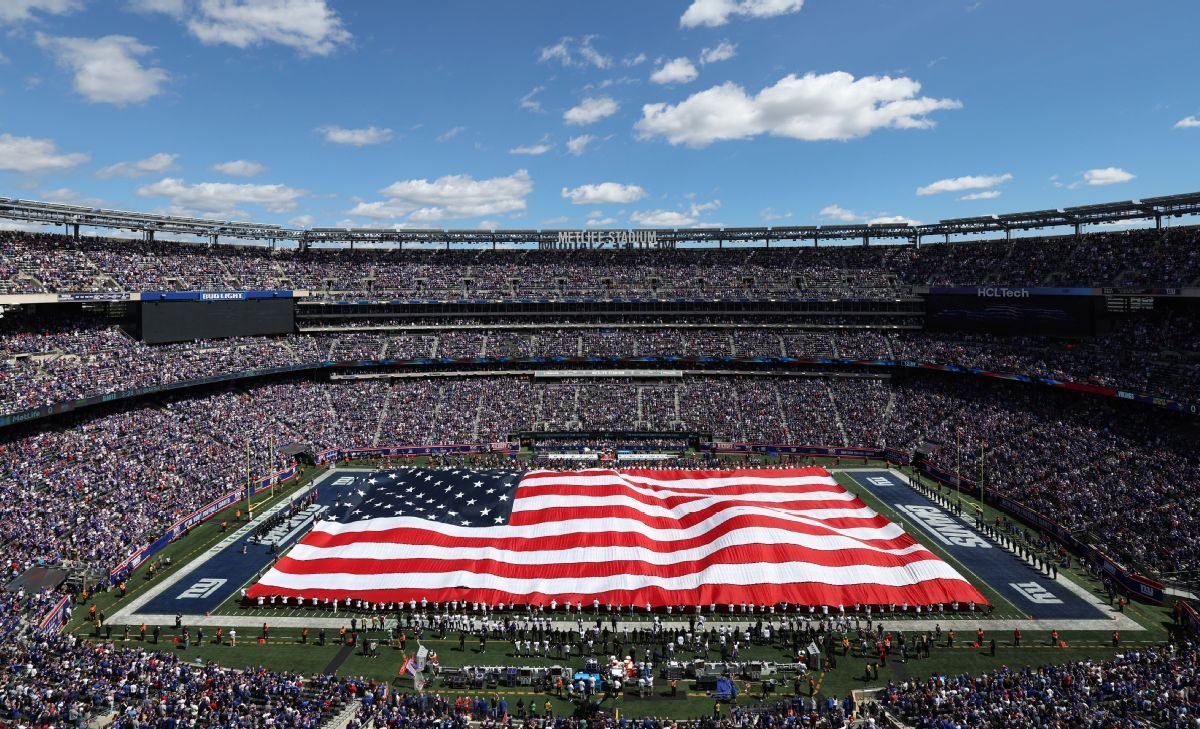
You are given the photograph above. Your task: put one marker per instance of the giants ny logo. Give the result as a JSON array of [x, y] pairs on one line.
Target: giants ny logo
[[203, 588], [1036, 593]]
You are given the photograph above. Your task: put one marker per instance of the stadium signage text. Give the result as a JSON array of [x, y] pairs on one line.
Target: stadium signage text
[[943, 526], [607, 238], [993, 292]]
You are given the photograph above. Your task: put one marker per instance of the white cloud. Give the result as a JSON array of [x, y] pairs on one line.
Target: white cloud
[[1106, 176], [67, 196], [593, 222], [449, 134], [174, 8], [577, 145], [986, 195], [675, 218], [662, 218], [489, 224], [632, 60], [356, 137], [152, 165], [771, 214], [239, 168], [301, 221], [675, 71], [604, 192], [591, 110], [892, 220], [17, 11], [107, 69], [813, 107], [450, 197], [541, 147], [572, 54], [529, 103], [723, 51], [1188, 122], [30, 155], [222, 197], [309, 26], [717, 12], [838, 213], [958, 184], [555, 221]]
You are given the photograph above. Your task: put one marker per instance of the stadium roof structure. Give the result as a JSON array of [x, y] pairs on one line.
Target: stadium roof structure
[[74, 216]]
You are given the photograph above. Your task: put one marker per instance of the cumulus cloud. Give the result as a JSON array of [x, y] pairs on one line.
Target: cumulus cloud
[[578, 145], [239, 168], [831, 106], [356, 137], [450, 197], [604, 192], [985, 195], [1188, 122], [33, 156], [967, 182], [892, 220], [308, 26], [838, 213], [1106, 176], [674, 218], [152, 165], [675, 71], [107, 70], [633, 59], [662, 219], [591, 110], [570, 53], [723, 51], [19, 11], [221, 197], [713, 13]]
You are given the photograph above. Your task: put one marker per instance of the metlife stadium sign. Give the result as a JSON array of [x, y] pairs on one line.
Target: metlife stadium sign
[[608, 239]]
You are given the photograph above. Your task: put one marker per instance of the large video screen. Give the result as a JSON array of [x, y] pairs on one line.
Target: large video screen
[[185, 321], [1052, 316]]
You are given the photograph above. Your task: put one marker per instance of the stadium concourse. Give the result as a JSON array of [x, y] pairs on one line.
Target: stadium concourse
[[765, 358]]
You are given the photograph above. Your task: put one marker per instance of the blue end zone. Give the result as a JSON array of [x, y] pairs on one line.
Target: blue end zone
[[223, 575], [1031, 591]]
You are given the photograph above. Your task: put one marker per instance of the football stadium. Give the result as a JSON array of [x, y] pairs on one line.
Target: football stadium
[[346, 381]]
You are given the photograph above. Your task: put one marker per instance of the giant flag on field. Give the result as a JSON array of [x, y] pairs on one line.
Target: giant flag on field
[[630, 537]]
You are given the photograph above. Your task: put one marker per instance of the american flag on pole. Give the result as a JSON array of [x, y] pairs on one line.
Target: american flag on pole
[[630, 537]]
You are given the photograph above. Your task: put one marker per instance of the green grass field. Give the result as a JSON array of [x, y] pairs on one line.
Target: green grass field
[[284, 650]]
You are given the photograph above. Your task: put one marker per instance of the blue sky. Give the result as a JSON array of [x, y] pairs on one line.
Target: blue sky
[[542, 114]]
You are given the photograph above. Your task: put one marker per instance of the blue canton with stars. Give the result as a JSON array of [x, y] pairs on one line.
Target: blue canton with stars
[[464, 498]]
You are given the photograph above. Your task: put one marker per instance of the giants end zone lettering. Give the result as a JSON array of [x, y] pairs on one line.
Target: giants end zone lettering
[[1036, 593], [943, 526], [203, 588]]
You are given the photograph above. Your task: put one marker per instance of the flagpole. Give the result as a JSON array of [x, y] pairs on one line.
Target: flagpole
[[958, 467], [249, 489], [982, 444]]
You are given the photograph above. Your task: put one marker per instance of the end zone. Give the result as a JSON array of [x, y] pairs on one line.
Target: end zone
[[1025, 587]]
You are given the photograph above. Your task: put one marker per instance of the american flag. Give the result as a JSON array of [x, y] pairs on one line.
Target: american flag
[[625, 538]]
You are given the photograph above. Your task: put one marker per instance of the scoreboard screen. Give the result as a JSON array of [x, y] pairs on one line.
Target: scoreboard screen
[[185, 321]]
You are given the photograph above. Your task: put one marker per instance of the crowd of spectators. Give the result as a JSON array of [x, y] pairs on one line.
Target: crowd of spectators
[[64, 681], [49, 263], [42, 363], [1155, 686], [1123, 471]]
